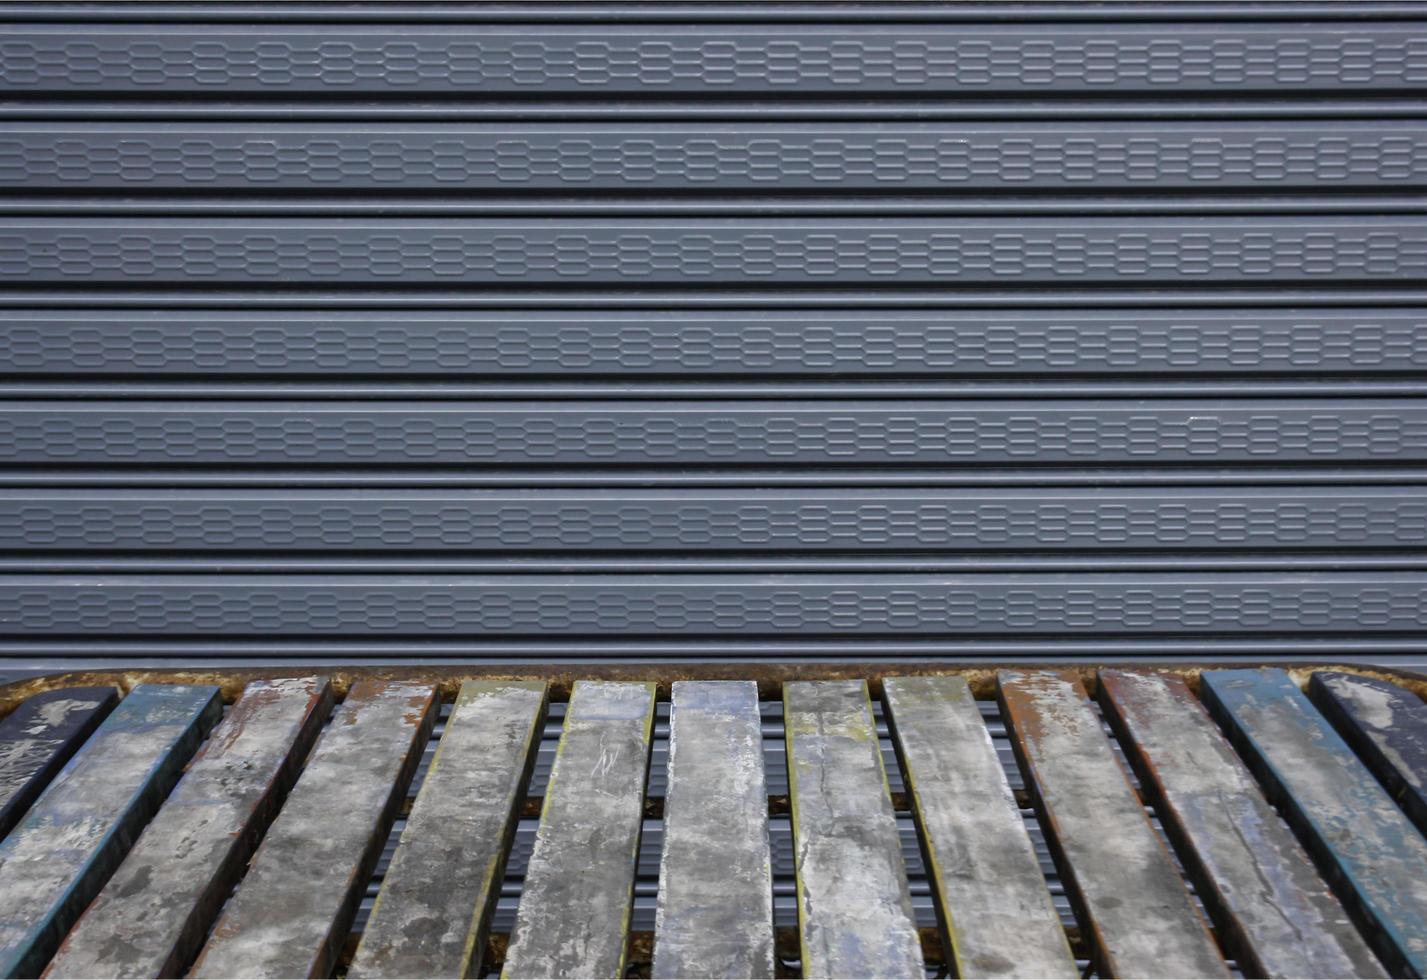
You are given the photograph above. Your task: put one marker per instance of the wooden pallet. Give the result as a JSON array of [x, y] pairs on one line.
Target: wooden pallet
[[229, 824]]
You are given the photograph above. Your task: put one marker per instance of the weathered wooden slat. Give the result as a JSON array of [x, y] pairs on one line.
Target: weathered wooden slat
[[854, 906], [152, 916], [1121, 878], [1387, 725], [714, 916], [431, 916], [39, 737], [996, 910], [292, 911], [1276, 916], [1372, 855], [573, 919], [61, 853]]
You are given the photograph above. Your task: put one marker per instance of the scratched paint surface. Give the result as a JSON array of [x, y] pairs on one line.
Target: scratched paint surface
[[1285, 921], [37, 738], [1000, 916], [573, 919], [430, 916], [1143, 919], [60, 854], [293, 909], [1354, 824], [1387, 724], [714, 916], [152, 915], [854, 906]]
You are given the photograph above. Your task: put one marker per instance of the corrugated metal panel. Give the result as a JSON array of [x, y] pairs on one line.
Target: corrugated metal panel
[[561, 331]]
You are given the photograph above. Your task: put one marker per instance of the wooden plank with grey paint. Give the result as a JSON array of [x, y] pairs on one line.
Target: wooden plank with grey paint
[[153, 915], [292, 912], [1372, 855], [62, 852], [1387, 725], [573, 918], [1120, 876], [996, 909], [1276, 915], [714, 916], [39, 737], [855, 912], [433, 911]]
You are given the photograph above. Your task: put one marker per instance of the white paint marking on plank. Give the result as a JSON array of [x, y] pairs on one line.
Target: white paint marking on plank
[[573, 919], [854, 905], [998, 912], [714, 916]]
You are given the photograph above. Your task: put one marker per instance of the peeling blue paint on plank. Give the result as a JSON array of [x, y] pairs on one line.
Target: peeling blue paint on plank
[[153, 915], [1371, 853], [1387, 725], [1275, 915], [39, 737], [80, 828]]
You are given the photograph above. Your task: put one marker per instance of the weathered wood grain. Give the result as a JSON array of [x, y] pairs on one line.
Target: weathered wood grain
[[573, 919], [431, 916], [996, 909], [1120, 875], [854, 906], [292, 912], [77, 832], [714, 916], [39, 737], [152, 916], [1371, 853], [1387, 725], [1275, 914]]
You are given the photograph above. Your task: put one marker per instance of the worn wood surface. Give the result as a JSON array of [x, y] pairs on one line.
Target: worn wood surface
[[39, 737], [714, 916], [998, 913], [573, 919], [61, 853], [1373, 855], [1387, 725], [1274, 912], [1121, 876], [291, 913], [854, 906], [431, 915], [152, 916]]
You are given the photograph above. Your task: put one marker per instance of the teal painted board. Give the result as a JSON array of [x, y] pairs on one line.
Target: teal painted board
[[39, 737], [1387, 725], [80, 828], [1274, 913], [1365, 845], [153, 915], [292, 912]]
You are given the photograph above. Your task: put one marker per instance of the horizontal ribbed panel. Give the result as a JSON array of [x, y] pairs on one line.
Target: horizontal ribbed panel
[[843, 342], [725, 605], [918, 433], [684, 330], [551, 60], [710, 521], [715, 252], [724, 156]]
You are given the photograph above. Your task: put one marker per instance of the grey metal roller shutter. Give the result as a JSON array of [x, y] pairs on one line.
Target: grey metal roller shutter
[[370, 332]]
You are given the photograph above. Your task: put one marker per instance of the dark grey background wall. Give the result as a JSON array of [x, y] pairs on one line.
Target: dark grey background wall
[[378, 332]]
